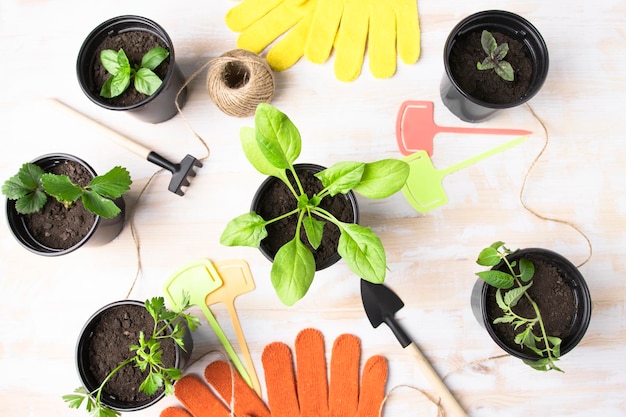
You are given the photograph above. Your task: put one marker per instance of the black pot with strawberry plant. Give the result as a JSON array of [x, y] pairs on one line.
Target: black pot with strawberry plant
[[533, 302], [57, 204], [129, 354], [127, 63], [313, 210], [493, 60]]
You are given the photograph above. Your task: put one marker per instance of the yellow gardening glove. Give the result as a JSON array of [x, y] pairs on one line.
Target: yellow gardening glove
[[261, 22], [388, 28]]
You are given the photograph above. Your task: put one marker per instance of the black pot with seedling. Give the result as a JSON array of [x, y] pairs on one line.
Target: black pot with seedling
[[493, 60], [57, 204], [127, 63]]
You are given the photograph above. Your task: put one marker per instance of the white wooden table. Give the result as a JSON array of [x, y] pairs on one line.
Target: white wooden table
[[579, 180]]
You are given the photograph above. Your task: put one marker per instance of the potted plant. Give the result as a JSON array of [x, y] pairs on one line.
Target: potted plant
[[127, 63], [305, 215], [57, 204], [129, 354], [533, 302], [474, 86]]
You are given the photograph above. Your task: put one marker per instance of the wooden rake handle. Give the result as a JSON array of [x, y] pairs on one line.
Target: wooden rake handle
[[123, 141]]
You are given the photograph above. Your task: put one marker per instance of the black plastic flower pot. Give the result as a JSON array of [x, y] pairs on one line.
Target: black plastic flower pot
[[86, 374], [483, 300], [462, 98], [269, 202], [101, 232], [156, 108]]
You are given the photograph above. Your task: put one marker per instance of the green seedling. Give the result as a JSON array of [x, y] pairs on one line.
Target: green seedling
[[146, 355], [495, 57], [511, 287], [272, 147], [144, 79], [31, 187]]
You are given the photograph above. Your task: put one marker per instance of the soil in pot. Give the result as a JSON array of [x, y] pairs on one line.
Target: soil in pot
[[109, 346], [56, 226], [554, 297], [280, 200], [135, 45], [486, 85]]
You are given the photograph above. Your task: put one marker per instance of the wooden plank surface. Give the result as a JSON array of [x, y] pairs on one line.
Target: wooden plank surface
[[578, 181]]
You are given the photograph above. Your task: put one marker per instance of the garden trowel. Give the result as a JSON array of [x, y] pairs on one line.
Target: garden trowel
[[424, 189], [381, 304], [197, 280]]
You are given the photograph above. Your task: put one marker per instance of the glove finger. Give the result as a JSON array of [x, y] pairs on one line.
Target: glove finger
[[247, 12], [219, 375], [311, 373], [280, 380], [290, 48], [174, 412], [198, 399], [382, 41], [408, 31], [323, 30], [373, 380], [275, 23], [344, 376], [351, 40]]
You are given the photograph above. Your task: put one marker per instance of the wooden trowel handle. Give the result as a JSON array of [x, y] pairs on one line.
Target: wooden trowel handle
[[448, 401]]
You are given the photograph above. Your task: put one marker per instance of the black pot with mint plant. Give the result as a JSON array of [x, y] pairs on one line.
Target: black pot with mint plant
[[306, 213], [57, 204], [127, 63], [129, 354], [493, 60], [534, 303]]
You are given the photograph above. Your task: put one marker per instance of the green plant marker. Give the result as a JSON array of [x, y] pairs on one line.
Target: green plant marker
[[495, 57]]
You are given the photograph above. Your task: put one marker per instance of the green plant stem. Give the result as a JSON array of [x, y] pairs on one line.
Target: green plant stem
[[282, 216], [326, 215], [538, 318], [99, 390]]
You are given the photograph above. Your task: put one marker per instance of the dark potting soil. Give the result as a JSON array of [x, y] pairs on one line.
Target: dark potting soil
[[280, 200], [56, 226], [486, 85], [554, 297], [135, 45], [117, 330]]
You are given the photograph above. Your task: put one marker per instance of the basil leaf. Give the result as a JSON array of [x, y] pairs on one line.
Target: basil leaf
[[154, 57], [147, 82]]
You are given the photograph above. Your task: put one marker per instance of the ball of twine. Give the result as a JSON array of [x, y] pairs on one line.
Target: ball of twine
[[238, 81]]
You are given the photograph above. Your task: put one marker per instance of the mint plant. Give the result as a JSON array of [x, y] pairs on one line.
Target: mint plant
[[511, 287], [146, 355], [272, 147], [495, 57], [31, 187], [144, 79]]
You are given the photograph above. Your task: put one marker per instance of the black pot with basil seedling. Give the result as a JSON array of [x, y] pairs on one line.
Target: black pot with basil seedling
[[493, 60], [129, 354], [533, 302], [305, 221], [57, 203], [127, 63]]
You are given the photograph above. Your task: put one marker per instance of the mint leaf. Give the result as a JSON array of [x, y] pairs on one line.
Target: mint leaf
[[154, 57]]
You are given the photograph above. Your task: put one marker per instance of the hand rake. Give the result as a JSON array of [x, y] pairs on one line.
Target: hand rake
[[180, 171]]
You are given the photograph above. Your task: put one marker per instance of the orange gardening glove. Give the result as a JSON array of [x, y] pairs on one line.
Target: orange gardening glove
[[200, 401], [306, 392]]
